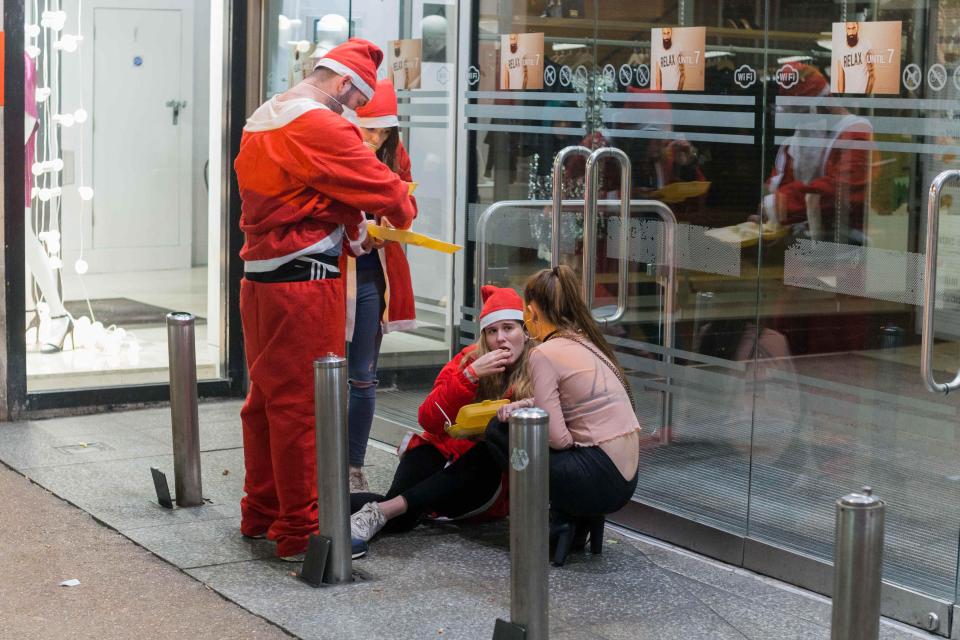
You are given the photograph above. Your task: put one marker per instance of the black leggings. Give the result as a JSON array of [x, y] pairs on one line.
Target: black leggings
[[583, 480], [429, 485]]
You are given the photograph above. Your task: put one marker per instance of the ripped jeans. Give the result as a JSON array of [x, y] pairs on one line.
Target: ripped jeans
[[362, 355]]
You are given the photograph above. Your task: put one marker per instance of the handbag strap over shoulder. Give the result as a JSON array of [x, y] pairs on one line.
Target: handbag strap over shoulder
[[616, 370]]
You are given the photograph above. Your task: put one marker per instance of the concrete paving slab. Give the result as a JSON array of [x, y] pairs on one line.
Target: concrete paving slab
[[121, 492], [28, 446], [214, 435], [197, 544], [689, 623], [394, 608]]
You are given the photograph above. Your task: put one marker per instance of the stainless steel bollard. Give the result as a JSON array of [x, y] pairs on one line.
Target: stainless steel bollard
[[182, 354], [333, 489], [529, 521], [858, 567]]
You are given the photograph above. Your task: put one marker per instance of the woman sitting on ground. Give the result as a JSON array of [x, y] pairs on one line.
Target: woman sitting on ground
[[445, 476], [594, 434]]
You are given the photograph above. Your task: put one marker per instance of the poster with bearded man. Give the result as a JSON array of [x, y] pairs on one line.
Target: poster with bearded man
[[676, 58], [865, 58], [521, 61]]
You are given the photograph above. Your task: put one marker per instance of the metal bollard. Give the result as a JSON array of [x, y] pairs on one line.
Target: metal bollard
[[182, 353], [529, 527], [333, 489], [858, 567]]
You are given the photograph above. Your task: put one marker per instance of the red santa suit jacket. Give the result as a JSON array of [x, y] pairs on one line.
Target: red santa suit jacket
[[304, 176], [451, 391], [399, 312], [835, 170]]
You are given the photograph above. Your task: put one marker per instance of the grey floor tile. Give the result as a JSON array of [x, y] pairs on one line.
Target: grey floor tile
[[121, 492], [434, 554], [569, 632], [800, 605], [213, 435], [397, 608], [196, 544], [620, 587], [688, 623], [29, 446], [757, 620], [714, 574]]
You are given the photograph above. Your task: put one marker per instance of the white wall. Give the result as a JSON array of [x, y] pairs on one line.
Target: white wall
[[201, 127]]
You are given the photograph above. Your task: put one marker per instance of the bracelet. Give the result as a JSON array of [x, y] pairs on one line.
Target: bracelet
[[471, 374]]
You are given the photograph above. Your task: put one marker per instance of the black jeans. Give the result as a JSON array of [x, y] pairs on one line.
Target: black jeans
[[430, 486], [583, 480]]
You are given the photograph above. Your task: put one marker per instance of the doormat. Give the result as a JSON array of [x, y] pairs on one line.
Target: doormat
[[122, 312]]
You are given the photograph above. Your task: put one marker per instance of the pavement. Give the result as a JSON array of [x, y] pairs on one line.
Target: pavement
[[194, 574], [45, 541]]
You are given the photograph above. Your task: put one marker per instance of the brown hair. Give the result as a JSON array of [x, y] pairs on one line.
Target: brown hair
[[515, 381], [387, 153], [557, 294]]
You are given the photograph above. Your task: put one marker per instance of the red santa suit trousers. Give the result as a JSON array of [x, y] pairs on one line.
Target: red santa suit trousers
[[285, 327]]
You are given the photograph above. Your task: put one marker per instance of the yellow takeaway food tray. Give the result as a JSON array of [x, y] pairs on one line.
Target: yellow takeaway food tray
[[680, 191], [411, 237], [472, 419], [747, 234]]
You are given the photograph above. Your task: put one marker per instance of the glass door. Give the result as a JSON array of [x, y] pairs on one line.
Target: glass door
[[529, 95], [860, 123], [690, 120], [794, 144]]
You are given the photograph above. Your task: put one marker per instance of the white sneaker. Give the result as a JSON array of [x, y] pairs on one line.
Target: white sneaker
[[358, 481], [367, 522]]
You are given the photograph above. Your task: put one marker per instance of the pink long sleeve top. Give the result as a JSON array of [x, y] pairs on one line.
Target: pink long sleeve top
[[587, 404]]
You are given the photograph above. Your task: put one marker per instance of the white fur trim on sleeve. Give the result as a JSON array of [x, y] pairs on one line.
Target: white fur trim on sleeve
[[357, 245], [342, 69]]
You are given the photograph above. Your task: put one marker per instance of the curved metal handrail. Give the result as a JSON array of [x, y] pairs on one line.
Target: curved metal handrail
[[930, 285], [558, 161], [590, 184]]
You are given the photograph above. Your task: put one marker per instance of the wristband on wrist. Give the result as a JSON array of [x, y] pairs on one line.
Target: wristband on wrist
[[471, 374]]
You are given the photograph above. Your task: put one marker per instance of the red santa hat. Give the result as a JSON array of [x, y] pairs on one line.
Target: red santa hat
[[381, 111], [499, 303], [357, 59]]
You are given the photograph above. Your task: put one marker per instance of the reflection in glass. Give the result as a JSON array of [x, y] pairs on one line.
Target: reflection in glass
[[122, 216]]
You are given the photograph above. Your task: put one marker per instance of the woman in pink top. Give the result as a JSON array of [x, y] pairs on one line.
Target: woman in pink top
[[594, 433]]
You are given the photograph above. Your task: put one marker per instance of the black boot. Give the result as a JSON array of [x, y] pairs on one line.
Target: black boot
[[562, 530]]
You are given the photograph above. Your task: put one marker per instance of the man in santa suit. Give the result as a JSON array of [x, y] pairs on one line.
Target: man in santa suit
[[304, 176], [821, 173]]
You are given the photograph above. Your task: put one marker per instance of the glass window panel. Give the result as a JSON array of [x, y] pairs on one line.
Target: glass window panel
[[839, 398], [123, 181]]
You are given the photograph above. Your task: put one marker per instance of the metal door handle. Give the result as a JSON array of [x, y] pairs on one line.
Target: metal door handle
[[176, 105], [558, 161], [591, 186], [930, 285]]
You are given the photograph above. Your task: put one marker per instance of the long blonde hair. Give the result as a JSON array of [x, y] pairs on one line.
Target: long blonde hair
[[515, 381]]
